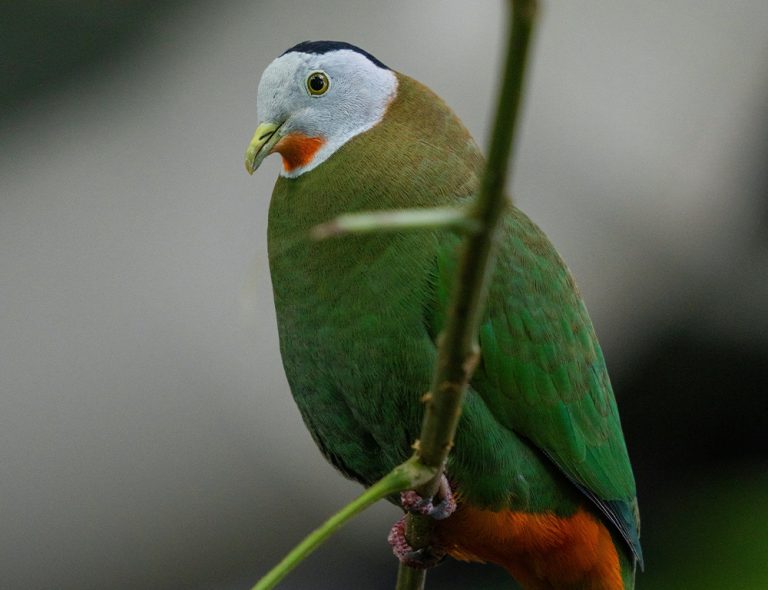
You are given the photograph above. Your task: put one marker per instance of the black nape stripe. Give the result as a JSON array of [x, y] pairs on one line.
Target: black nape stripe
[[320, 47]]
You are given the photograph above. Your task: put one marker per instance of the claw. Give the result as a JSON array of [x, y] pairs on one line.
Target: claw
[[414, 503], [415, 558]]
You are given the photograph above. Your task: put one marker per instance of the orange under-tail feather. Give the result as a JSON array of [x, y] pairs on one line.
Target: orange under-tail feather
[[541, 551]]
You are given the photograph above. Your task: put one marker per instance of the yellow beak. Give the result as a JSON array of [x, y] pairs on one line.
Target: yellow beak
[[264, 139]]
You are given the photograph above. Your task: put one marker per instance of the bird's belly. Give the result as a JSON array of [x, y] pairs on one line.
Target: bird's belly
[[357, 374], [355, 350]]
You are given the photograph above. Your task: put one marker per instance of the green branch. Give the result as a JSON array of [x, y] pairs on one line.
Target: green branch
[[458, 351], [397, 220], [403, 477]]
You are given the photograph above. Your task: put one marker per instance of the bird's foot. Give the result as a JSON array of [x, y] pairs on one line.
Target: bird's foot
[[416, 558], [415, 504], [412, 502]]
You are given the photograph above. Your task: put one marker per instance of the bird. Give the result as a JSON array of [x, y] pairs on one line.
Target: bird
[[539, 480]]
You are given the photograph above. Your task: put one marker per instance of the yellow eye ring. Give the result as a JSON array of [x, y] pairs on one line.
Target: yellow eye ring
[[318, 83]]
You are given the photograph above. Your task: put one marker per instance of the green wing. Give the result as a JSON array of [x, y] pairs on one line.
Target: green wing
[[542, 372]]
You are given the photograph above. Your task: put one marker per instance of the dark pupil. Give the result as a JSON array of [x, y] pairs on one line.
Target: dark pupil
[[316, 83]]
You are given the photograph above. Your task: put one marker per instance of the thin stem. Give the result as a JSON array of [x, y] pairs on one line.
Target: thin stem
[[409, 578], [400, 478], [458, 350], [397, 220]]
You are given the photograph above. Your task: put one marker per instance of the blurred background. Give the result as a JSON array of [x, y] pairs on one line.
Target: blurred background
[[147, 435]]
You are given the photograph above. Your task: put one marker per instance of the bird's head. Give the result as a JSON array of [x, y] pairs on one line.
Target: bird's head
[[313, 99]]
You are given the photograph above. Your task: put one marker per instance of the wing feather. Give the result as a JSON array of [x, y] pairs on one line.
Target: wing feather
[[543, 374]]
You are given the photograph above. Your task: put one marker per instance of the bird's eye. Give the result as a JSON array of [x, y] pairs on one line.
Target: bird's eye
[[317, 83]]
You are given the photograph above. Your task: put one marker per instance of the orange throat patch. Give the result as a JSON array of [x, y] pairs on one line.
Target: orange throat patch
[[297, 150]]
